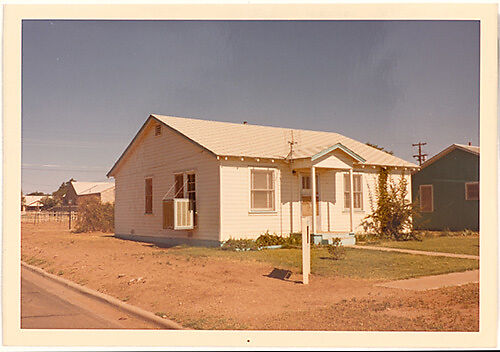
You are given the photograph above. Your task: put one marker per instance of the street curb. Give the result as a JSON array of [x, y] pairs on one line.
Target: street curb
[[136, 311]]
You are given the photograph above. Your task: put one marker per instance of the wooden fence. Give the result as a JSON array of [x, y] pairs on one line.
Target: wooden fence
[[35, 217]]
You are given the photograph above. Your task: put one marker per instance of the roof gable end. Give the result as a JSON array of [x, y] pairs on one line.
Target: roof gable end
[[469, 149], [341, 147]]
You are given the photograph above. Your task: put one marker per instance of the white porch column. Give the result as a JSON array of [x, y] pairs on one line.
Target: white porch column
[[313, 198], [351, 200]]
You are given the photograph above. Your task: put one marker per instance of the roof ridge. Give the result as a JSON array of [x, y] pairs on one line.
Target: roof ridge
[[247, 124]]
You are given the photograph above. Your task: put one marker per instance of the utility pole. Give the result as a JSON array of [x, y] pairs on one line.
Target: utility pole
[[292, 143], [420, 157]]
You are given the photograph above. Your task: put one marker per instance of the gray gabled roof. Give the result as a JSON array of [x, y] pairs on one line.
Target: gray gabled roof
[[467, 148], [246, 140]]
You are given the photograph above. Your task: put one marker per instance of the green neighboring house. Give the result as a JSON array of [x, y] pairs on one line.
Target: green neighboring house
[[447, 189]]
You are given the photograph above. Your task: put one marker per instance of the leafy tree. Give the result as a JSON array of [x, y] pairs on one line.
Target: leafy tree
[[392, 213], [94, 216], [62, 190], [379, 148], [49, 202], [37, 193]]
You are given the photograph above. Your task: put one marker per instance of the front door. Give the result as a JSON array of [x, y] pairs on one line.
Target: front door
[[306, 200]]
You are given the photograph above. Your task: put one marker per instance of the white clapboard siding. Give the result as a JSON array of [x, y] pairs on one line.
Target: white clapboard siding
[[160, 157], [237, 221]]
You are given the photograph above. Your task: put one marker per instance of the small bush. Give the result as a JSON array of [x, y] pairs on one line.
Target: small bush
[[468, 233], [94, 216], [267, 239], [293, 241], [239, 245], [445, 233], [336, 249], [366, 238]]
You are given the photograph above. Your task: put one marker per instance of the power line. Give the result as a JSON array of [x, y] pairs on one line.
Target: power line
[[420, 157]]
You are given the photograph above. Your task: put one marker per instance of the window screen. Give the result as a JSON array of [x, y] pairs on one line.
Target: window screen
[[426, 199], [472, 191], [179, 186], [148, 196]]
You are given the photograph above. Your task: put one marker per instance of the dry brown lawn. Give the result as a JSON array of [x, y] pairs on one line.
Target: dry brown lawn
[[211, 292]]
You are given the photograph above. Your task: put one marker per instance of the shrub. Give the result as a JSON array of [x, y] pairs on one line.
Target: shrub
[[336, 249], [468, 232], [239, 245], [94, 216], [294, 240], [366, 238], [267, 239], [392, 213]]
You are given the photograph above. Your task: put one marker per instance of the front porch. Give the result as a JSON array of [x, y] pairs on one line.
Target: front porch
[[326, 224]]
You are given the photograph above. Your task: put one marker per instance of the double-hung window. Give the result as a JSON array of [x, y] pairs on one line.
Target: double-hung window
[[262, 190], [357, 193]]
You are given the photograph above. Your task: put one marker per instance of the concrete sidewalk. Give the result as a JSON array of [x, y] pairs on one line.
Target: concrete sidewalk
[[413, 251], [435, 281]]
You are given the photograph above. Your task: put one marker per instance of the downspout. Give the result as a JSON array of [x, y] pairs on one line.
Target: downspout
[[351, 200]]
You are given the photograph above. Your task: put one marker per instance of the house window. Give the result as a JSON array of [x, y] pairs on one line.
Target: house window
[[179, 186], [357, 193], [262, 190], [472, 191], [426, 198], [157, 130], [148, 196], [191, 194]]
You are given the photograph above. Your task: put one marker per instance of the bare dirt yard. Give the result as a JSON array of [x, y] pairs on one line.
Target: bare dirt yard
[[225, 292]]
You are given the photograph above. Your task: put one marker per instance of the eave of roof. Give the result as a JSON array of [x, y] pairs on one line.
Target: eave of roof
[[356, 156]]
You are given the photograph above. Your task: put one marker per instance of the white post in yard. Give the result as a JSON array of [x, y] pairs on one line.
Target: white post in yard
[[313, 198], [351, 200], [306, 254]]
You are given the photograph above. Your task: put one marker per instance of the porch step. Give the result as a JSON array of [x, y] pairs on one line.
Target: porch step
[[346, 239]]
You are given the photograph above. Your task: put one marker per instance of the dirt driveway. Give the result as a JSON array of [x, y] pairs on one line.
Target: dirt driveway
[[222, 293]]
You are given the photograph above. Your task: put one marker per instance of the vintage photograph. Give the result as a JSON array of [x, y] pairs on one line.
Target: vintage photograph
[[295, 175]]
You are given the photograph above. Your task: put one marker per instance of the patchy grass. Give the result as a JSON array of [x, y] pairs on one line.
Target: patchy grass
[[358, 263], [205, 288], [454, 244]]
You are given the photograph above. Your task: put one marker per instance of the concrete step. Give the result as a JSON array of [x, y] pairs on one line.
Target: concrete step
[[346, 239]]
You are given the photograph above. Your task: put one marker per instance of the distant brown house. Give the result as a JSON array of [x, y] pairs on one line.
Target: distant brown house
[[104, 191]]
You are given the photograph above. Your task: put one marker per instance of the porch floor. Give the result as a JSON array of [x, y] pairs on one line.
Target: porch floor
[[346, 238]]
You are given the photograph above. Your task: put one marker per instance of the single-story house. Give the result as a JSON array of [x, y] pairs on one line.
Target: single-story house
[[203, 182], [33, 203], [447, 189], [104, 191]]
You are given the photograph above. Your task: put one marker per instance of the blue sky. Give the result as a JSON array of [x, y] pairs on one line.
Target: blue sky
[[89, 85]]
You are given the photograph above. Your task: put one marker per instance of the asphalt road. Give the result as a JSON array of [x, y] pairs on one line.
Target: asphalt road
[[49, 305]]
